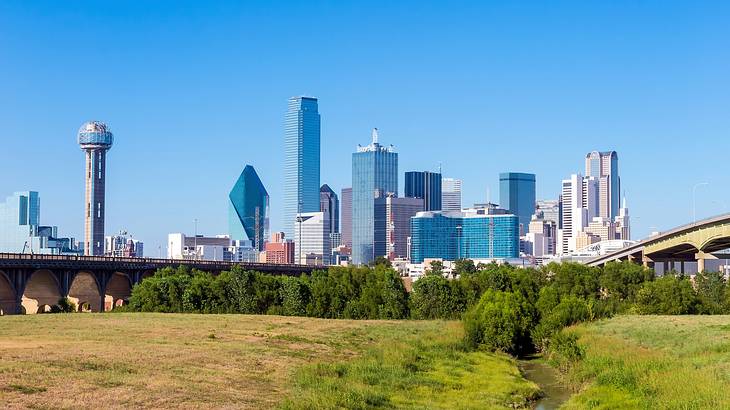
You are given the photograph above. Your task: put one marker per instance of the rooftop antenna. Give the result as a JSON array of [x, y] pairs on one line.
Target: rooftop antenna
[[375, 136], [440, 167]]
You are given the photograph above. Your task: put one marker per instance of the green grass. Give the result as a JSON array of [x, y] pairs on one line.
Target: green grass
[[418, 370], [653, 362], [134, 360]]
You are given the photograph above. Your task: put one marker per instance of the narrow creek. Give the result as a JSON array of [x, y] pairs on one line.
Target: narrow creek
[[547, 378]]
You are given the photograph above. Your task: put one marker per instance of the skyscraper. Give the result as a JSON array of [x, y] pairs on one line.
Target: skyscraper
[[21, 232], [604, 167], [579, 196], [517, 195], [248, 209], [398, 214], [425, 185], [346, 220], [95, 139], [450, 194], [374, 174], [329, 203], [301, 164]]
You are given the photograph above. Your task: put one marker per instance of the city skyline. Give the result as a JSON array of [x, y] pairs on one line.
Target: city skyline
[[216, 119]]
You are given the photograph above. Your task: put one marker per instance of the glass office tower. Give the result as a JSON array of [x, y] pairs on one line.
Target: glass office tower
[[301, 163], [329, 203], [374, 175], [248, 209], [517, 195], [473, 234], [424, 185]]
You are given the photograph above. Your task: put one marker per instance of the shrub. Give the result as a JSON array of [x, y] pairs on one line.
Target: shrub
[[569, 311], [433, 297], [565, 350], [64, 306], [669, 295], [500, 321]]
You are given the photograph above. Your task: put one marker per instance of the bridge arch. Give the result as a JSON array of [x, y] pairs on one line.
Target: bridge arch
[[84, 292], [41, 292], [118, 290], [7, 295]]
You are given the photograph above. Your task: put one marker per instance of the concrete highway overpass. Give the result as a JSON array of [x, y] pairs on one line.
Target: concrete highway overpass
[[694, 243], [33, 283]]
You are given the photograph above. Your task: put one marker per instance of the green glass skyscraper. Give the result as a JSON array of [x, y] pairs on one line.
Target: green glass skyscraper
[[248, 209]]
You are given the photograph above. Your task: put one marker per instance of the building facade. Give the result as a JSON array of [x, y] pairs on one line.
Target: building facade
[[302, 160], [248, 209], [579, 205], [424, 185], [123, 245], [374, 174], [312, 239], [604, 167], [517, 195], [467, 234], [550, 209], [346, 219], [95, 139], [398, 214], [21, 231], [330, 204], [279, 250], [450, 194]]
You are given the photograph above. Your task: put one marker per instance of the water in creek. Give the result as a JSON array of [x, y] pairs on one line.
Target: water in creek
[[547, 378]]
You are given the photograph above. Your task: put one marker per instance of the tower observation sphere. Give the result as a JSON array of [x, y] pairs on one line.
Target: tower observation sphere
[[95, 139]]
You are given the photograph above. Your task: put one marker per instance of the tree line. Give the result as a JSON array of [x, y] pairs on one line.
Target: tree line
[[507, 308]]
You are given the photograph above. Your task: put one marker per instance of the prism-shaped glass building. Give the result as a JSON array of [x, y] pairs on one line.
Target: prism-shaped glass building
[[248, 209]]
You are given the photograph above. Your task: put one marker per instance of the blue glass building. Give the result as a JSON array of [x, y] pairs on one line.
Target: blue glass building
[[475, 234], [374, 174], [21, 232], [424, 185], [302, 160], [248, 209], [517, 195]]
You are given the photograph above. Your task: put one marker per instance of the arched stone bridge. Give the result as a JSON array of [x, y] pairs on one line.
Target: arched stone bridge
[[695, 242], [34, 283]]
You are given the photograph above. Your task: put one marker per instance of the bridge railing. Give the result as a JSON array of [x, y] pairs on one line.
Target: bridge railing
[[152, 261]]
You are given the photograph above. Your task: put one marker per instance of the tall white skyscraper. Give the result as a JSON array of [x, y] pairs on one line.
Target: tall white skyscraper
[[450, 194]]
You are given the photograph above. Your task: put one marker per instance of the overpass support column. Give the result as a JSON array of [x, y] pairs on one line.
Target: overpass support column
[[701, 257]]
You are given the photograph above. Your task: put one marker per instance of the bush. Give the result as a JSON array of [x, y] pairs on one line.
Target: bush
[[435, 297], [669, 295], [569, 311], [565, 350], [500, 321], [64, 306]]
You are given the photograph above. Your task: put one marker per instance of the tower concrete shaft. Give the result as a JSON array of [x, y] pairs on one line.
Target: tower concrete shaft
[[95, 202]]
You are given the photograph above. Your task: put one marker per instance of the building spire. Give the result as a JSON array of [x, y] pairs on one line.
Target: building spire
[[375, 136]]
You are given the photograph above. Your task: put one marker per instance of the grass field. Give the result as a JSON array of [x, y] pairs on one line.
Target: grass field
[[654, 362], [237, 361]]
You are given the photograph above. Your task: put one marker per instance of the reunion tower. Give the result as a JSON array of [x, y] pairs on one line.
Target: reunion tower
[[95, 139]]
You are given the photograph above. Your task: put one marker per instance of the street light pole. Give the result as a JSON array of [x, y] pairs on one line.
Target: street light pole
[[694, 199]]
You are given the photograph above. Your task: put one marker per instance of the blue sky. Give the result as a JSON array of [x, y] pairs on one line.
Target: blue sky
[[194, 91]]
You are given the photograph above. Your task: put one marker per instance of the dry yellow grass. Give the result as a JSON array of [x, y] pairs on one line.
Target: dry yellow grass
[[173, 360]]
